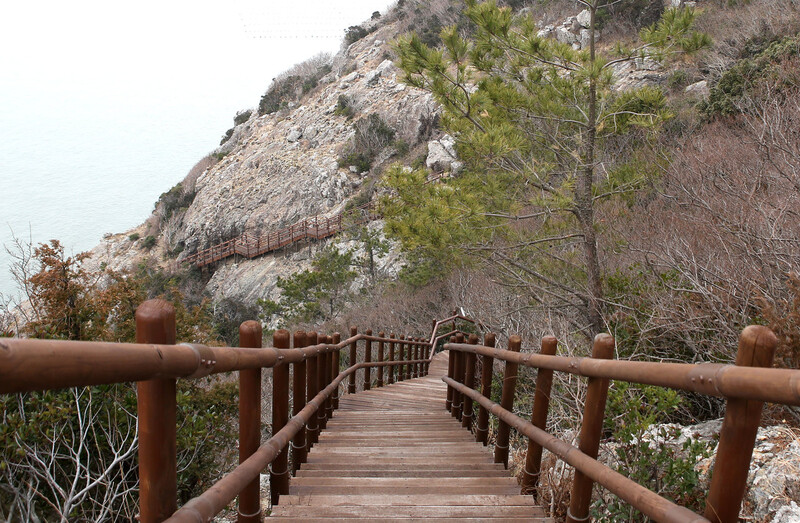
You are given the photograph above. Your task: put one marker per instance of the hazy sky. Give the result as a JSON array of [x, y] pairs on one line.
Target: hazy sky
[[105, 105], [141, 50]]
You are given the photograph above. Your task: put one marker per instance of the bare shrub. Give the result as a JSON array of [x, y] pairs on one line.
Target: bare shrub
[[189, 183], [306, 68], [722, 235]]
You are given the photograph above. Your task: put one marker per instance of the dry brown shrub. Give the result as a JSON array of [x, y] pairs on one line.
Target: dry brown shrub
[[725, 226]]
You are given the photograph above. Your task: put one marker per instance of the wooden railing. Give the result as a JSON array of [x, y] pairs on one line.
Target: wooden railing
[[155, 361], [745, 386], [316, 228]]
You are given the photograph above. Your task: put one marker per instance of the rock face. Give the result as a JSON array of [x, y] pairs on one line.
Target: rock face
[[699, 89], [774, 476], [573, 31]]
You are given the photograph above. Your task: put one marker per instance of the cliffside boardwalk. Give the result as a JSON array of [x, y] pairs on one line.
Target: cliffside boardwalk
[[315, 228], [403, 447]]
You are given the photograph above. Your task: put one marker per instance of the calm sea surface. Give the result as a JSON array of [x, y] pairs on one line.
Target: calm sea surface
[[104, 106], [79, 168]]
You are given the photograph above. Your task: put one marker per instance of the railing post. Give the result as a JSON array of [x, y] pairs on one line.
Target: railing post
[[380, 358], [417, 356], [322, 375], [738, 434], [593, 413], [311, 391], [541, 405], [430, 357], [249, 422], [351, 387], [451, 373], [458, 372], [469, 381], [408, 357], [420, 354], [414, 354], [401, 357], [391, 358], [487, 366], [156, 407], [279, 469], [330, 375], [507, 402], [367, 359], [299, 450], [336, 359]]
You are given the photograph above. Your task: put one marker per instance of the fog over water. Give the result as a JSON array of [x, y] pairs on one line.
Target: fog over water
[[105, 105]]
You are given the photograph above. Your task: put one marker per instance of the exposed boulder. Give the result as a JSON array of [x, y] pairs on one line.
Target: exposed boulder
[[294, 135], [699, 89], [584, 18], [442, 154]]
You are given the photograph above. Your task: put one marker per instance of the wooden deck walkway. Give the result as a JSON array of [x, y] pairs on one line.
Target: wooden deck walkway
[[396, 454]]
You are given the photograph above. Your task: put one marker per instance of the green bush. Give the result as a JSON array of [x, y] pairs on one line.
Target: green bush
[[344, 107], [354, 33], [242, 117], [748, 75], [361, 161], [643, 451], [174, 200], [401, 146], [280, 93], [371, 137], [149, 242], [133, 237], [293, 84], [678, 79], [226, 136]]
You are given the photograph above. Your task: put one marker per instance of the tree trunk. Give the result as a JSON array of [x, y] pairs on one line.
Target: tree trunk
[[584, 204]]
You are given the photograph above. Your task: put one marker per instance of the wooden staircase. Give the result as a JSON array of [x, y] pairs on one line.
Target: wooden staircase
[[396, 454], [250, 246]]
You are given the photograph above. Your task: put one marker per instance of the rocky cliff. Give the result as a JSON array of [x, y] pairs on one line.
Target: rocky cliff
[[278, 168]]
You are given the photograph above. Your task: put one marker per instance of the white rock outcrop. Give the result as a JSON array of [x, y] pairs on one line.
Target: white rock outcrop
[[442, 155]]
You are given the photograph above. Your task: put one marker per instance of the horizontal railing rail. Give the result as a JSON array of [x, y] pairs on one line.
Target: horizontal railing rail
[[35, 365], [653, 505], [745, 385]]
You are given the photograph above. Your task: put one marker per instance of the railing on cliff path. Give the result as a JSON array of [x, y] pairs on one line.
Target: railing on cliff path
[[316, 228], [156, 362]]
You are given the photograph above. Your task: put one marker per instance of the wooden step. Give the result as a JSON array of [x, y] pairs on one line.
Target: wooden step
[[428, 511]]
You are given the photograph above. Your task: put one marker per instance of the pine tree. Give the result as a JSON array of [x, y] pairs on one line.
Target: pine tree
[[546, 139]]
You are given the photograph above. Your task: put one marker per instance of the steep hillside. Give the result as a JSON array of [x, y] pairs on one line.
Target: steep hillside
[[279, 168]]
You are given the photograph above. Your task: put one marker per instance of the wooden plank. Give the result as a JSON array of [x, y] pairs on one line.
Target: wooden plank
[[428, 511], [413, 500]]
